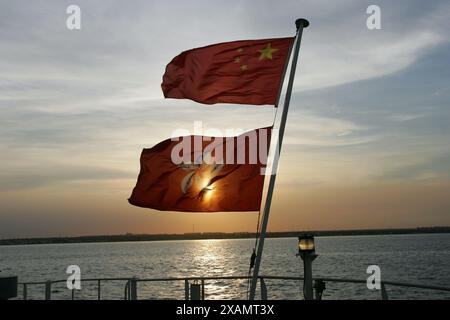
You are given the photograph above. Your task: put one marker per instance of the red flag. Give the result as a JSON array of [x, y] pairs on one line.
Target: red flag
[[244, 72], [204, 174]]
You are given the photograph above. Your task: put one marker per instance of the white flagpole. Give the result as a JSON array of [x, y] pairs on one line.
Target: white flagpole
[[300, 24]]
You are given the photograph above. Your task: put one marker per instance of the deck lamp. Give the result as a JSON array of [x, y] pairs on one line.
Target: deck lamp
[[307, 251], [306, 244]]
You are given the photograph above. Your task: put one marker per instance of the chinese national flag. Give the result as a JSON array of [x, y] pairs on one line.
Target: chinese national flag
[[242, 72], [228, 177]]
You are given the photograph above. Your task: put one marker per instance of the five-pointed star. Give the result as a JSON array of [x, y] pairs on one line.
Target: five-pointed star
[[266, 53]]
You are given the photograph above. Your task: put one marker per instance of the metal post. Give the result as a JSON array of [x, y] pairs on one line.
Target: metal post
[[25, 294], [319, 286], [317, 295], [384, 294], [186, 289], [300, 24], [263, 289], [48, 290], [308, 291], [133, 289], [98, 290], [127, 290], [203, 289], [195, 290]]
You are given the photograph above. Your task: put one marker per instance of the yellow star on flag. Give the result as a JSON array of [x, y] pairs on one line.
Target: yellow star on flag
[[266, 53]]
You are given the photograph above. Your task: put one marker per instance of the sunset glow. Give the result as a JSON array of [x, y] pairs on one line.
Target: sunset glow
[[366, 142]]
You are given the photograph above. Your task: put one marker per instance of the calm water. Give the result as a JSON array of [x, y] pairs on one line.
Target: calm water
[[421, 259]]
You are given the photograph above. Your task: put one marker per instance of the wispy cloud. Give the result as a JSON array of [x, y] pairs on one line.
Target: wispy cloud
[[78, 106]]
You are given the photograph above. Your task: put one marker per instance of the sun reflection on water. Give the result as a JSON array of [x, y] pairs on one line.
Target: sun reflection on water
[[211, 258]]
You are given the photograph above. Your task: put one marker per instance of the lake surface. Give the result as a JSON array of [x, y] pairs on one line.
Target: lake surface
[[422, 259]]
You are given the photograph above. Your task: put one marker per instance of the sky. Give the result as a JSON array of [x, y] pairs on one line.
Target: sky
[[367, 138]]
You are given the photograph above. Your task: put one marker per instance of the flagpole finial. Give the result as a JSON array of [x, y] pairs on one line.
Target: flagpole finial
[[301, 23]]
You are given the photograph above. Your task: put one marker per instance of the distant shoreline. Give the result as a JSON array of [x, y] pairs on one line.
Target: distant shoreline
[[217, 235]]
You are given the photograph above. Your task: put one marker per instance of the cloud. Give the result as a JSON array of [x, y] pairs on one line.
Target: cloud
[[364, 60], [42, 176], [344, 50], [316, 130], [433, 168], [124, 54], [77, 107], [405, 117]]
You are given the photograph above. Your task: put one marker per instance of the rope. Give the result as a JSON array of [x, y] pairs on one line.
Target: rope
[[253, 256], [257, 234], [275, 117]]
